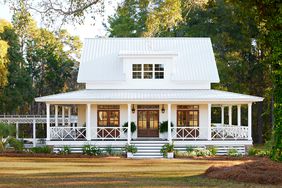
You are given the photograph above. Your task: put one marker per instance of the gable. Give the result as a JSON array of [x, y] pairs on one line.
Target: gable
[[101, 58]]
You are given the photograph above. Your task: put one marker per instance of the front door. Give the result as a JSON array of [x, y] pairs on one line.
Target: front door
[[148, 123]]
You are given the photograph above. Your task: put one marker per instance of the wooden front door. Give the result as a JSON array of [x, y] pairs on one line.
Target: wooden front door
[[148, 123]]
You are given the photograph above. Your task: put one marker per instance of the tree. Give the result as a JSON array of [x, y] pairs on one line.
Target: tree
[[129, 19], [268, 18], [53, 12], [17, 92], [3, 63]]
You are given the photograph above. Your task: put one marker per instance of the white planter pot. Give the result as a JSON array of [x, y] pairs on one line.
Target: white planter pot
[[170, 155], [163, 135], [129, 155]]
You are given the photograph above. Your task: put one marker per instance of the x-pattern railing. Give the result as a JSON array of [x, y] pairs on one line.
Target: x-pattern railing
[[229, 132], [185, 133], [68, 133], [112, 133]]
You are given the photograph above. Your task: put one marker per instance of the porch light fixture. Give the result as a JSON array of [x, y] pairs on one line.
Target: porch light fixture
[[163, 109], [133, 109]]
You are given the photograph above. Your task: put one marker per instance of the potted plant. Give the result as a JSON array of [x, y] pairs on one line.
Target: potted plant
[[133, 127], [130, 150], [168, 150], [164, 129]]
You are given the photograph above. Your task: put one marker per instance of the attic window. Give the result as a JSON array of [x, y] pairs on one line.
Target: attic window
[[148, 71]]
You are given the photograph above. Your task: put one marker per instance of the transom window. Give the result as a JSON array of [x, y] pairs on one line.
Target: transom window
[[148, 71], [187, 116]]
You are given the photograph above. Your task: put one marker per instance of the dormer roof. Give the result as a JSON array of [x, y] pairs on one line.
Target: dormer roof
[[101, 57]]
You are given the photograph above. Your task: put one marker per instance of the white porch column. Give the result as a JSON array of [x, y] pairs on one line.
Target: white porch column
[[128, 123], [169, 123], [239, 114], [69, 116], [56, 115], [48, 121], [34, 133], [88, 122], [17, 130], [63, 116], [222, 115], [249, 121], [209, 121], [230, 115]]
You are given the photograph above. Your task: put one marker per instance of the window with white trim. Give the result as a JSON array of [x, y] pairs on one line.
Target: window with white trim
[[148, 71]]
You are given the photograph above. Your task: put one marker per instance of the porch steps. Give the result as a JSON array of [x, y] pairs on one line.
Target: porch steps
[[148, 149]]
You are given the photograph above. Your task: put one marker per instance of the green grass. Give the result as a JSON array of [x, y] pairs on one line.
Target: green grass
[[109, 172]]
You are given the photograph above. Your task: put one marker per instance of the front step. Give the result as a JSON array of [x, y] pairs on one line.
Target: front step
[[148, 148]]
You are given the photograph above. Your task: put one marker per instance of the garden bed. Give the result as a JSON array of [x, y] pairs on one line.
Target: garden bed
[[262, 171], [52, 155]]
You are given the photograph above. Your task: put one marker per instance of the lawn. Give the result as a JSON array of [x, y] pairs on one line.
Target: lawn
[[109, 172]]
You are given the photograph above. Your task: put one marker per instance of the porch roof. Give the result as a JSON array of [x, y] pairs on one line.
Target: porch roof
[[145, 95]]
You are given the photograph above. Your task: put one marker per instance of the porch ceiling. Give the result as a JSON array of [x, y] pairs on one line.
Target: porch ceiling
[[156, 95]]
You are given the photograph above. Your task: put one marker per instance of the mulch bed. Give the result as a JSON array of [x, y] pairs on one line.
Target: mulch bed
[[46, 155], [222, 157], [261, 170]]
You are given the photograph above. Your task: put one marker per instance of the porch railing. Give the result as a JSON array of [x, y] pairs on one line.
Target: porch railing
[[111, 133], [185, 133], [229, 132], [68, 133]]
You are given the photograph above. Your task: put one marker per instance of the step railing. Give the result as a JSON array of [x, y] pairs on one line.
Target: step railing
[[68, 133]]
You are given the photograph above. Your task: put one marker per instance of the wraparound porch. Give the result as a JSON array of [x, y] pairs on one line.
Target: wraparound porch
[[90, 131]]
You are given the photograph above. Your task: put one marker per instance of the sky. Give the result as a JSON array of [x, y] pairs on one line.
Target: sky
[[87, 30]]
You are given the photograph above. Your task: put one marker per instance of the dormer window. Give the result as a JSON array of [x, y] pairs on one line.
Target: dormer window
[[148, 71]]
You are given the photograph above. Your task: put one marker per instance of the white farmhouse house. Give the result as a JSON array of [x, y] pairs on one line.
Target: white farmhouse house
[[148, 81]]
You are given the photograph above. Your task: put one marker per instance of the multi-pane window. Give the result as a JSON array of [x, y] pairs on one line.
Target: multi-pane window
[[108, 115], [188, 116], [148, 71]]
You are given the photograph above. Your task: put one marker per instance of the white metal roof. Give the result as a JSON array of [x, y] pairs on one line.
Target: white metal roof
[[201, 95], [100, 57]]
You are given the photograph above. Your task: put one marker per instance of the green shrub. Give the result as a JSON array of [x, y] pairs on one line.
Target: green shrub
[[252, 151], [43, 149], [133, 127], [202, 152], [164, 126], [65, 150], [16, 144], [91, 150], [167, 148], [263, 153], [233, 153], [130, 148], [213, 150], [190, 148], [109, 151]]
